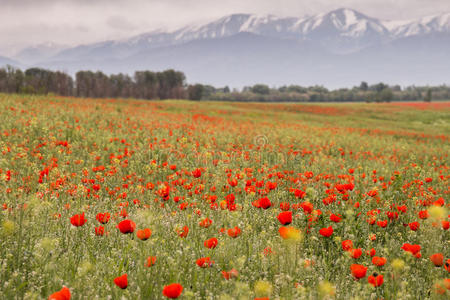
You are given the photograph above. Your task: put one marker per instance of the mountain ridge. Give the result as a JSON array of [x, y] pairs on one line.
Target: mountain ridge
[[314, 44]]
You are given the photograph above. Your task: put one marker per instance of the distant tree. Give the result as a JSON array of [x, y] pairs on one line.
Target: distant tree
[[146, 85], [84, 84], [386, 95], [396, 88], [62, 84], [226, 89], [171, 84], [37, 81], [195, 92], [378, 87], [318, 89], [428, 96], [261, 89], [3, 81], [208, 90], [121, 86], [14, 79], [296, 89], [363, 86]]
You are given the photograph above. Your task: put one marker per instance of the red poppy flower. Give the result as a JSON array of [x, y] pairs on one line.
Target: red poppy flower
[[358, 271], [230, 274], [326, 232], [413, 249], [211, 243], [126, 226], [234, 232], [204, 262], [121, 281], [150, 261], [371, 252], [62, 294], [103, 218], [414, 226], [263, 203], [307, 207], [284, 206], [335, 218], [379, 261], [382, 224], [437, 259], [173, 290], [347, 245], [375, 279], [445, 225], [197, 173], [447, 283], [447, 265], [144, 234], [100, 230], [233, 182], [183, 232], [299, 193], [423, 214], [285, 217], [78, 220], [356, 253], [205, 223]]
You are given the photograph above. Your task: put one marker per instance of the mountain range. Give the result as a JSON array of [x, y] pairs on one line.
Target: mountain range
[[335, 49]]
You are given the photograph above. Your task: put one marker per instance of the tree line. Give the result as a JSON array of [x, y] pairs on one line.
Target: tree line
[[171, 84], [144, 84], [364, 92]]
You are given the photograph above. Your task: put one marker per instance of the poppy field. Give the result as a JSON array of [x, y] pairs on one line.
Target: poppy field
[[130, 199]]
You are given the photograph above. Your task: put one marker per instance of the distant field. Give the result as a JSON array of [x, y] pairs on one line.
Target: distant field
[[242, 200]]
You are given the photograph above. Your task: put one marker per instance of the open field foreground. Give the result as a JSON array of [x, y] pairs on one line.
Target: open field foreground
[[127, 199]]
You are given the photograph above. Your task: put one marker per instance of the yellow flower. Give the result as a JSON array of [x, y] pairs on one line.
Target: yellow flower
[[398, 264], [437, 212], [291, 234], [326, 289], [8, 227], [263, 289]]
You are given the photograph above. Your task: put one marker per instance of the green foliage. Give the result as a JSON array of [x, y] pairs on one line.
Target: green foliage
[[195, 92], [261, 89], [428, 96]]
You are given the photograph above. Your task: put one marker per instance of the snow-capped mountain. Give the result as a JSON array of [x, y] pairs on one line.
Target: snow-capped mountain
[[37, 53], [344, 22], [423, 26], [341, 47], [343, 30]]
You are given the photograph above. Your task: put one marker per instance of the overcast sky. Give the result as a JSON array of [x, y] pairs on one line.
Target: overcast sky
[[72, 22]]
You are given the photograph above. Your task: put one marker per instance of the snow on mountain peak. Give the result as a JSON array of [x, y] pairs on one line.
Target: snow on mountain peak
[[425, 25]]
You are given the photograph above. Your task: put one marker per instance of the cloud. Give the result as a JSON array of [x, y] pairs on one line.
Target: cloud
[[120, 23]]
